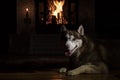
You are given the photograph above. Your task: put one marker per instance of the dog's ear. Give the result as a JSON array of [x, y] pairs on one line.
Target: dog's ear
[[81, 29], [63, 28]]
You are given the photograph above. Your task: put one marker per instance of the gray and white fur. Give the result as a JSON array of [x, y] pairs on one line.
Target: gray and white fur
[[85, 55]]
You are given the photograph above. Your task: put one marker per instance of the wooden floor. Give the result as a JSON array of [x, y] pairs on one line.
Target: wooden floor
[[54, 75]]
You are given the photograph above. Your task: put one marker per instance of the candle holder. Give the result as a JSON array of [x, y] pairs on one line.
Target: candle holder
[[27, 19]]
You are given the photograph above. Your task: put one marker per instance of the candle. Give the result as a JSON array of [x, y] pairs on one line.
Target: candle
[[27, 16], [27, 10]]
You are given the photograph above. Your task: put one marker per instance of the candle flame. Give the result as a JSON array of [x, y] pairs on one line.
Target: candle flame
[[27, 9]]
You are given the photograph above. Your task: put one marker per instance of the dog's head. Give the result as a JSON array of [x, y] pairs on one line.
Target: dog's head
[[73, 39]]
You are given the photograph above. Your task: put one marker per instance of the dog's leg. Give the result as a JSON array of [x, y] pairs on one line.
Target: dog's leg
[[89, 68], [63, 70]]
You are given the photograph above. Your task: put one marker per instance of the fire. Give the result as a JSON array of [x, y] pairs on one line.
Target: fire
[[59, 9], [56, 9]]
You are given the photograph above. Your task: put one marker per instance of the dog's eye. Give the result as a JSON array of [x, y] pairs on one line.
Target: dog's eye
[[73, 39]]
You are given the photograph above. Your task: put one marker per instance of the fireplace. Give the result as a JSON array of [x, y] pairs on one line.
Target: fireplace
[[55, 12], [72, 14]]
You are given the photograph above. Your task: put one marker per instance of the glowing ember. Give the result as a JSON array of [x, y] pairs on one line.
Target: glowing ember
[[55, 8]]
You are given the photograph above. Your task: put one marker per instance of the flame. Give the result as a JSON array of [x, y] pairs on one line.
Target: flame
[[27, 9], [56, 9], [59, 8]]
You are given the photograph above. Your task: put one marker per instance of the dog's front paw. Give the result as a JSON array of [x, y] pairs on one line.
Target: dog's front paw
[[71, 73], [63, 70]]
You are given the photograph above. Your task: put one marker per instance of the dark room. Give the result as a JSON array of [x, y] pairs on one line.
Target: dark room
[[60, 40]]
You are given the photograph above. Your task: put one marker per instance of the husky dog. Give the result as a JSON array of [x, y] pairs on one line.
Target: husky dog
[[85, 56]]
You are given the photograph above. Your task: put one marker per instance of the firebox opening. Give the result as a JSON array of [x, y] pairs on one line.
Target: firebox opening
[[56, 12]]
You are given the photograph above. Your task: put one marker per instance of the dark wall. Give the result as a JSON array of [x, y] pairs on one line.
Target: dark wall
[[86, 15], [107, 28], [107, 18], [24, 24], [8, 23]]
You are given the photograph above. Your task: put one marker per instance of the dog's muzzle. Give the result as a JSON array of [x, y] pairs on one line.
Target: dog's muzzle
[[72, 46], [71, 52]]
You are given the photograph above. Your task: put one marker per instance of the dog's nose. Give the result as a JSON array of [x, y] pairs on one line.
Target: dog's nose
[[66, 44]]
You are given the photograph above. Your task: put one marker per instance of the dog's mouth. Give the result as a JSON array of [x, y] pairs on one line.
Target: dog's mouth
[[71, 52]]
